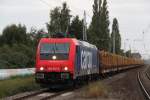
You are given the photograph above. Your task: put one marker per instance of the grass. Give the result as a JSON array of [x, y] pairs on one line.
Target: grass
[[21, 76], [17, 84], [94, 90]]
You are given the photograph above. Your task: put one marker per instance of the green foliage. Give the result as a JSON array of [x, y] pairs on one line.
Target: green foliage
[[76, 28], [14, 34], [34, 36], [122, 52], [104, 20], [4, 64], [64, 18], [17, 48], [1, 40], [94, 29], [19, 59], [98, 32], [16, 56], [59, 20], [115, 35], [54, 24], [128, 53]]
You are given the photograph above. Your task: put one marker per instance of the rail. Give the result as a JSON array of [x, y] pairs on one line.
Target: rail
[[147, 75], [142, 87], [52, 95]]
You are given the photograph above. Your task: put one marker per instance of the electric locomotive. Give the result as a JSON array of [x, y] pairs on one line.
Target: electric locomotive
[[65, 60]]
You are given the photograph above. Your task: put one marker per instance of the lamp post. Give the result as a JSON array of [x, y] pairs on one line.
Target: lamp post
[[125, 45], [84, 27], [114, 44]]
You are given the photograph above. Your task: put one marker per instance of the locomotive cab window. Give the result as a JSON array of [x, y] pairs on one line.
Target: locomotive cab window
[[59, 50]]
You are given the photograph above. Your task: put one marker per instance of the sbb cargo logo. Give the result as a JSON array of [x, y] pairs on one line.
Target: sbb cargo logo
[[86, 59]]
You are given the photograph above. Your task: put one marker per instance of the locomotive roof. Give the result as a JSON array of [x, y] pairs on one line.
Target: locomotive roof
[[84, 43], [77, 42]]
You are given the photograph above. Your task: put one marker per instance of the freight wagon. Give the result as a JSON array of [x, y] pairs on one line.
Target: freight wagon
[[112, 62]]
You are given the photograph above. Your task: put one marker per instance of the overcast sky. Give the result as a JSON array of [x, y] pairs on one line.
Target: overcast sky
[[133, 17]]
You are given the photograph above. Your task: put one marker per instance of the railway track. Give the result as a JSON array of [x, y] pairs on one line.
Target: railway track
[[30, 94], [42, 95], [143, 87], [148, 76]]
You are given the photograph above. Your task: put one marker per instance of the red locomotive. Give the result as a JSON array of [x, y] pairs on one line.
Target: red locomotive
[[63, 60]]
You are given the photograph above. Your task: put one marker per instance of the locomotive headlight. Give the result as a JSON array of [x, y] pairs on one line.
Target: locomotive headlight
[[41, 68], [66, 68], [54, 57]]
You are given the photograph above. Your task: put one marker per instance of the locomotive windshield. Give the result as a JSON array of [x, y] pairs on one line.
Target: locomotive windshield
[[61, 50]]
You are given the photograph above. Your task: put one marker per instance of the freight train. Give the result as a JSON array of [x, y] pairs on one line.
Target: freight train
[[65, 60]]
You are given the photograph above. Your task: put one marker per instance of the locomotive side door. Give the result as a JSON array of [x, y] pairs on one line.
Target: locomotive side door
[[77, 61]]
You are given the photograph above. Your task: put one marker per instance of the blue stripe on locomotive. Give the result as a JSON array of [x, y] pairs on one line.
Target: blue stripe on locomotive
[[87, 61]]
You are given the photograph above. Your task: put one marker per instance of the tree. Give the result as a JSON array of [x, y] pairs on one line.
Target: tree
[[17, 48], [14, 34], [35, 35], [16, 56], [104, 19], [76, 28], [65, 18], [128, 53], [98, 32], [54, 24], [94, 28], [115, 37], [59, 20], [1, 40], [122, 52]]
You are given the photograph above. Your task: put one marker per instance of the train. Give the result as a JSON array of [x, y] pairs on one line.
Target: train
[[68, 60]]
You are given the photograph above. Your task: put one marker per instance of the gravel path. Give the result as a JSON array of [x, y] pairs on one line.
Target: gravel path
[[123, 86], [127, 87]]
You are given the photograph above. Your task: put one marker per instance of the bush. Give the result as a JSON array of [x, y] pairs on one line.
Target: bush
[[4, 64], [19, 59], [4, 57], [17, 48], [16, 56]]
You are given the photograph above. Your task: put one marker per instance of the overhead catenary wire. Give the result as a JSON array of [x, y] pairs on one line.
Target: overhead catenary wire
[[47, 4]]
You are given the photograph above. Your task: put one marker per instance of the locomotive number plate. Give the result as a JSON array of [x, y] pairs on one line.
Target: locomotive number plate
[[40, 75]]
